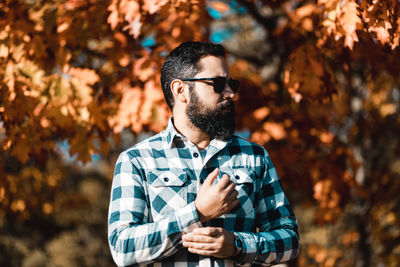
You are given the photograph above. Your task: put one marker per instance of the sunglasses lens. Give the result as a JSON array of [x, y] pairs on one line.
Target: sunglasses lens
[[219, 84], [234, 85]]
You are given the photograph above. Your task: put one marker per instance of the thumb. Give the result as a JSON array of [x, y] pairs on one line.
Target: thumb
[[211, 177]]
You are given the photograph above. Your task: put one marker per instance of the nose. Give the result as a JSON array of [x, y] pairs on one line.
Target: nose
[[228, 92]]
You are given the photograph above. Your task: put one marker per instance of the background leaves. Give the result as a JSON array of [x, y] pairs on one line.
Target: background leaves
[[79, 82]]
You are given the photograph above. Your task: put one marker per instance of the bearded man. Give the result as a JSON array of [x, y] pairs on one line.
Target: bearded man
[[196, 194]]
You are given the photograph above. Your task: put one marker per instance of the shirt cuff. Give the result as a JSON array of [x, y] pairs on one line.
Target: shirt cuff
[[188, 218], [249, 248]]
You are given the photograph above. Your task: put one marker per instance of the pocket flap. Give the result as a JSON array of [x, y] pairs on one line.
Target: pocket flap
[[239, 176], [167, 178]]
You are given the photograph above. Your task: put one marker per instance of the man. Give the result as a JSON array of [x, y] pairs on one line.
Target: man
[[195, 194]]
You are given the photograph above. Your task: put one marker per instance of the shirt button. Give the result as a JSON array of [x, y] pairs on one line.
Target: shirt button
[[237, 177], [195, 154], [166, 179]]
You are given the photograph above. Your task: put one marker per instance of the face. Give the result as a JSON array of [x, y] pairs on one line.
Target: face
[[212, 112]]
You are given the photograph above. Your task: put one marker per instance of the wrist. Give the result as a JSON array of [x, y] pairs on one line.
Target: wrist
[[202, 217]]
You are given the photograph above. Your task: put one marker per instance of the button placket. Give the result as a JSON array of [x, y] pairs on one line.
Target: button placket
[[197, 163]]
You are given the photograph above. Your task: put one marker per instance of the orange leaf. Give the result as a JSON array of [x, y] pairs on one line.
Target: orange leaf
[[350, 21], [128, 111], [130, 9], [276, 130], [382, 33], [261, 113], [113, 18], [219, 6], [134, 27], [152, 6], [305, 11], [85, 76]]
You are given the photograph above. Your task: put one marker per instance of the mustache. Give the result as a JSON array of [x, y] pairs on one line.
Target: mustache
[[227, 105]]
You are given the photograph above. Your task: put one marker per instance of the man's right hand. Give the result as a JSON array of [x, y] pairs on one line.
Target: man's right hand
[[213, 201]]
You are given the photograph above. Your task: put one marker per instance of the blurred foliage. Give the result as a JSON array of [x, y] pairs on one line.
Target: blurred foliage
[[320, 89], [57, 222]]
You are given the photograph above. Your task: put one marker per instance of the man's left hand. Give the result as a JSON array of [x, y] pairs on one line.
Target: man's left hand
[[210, 241]]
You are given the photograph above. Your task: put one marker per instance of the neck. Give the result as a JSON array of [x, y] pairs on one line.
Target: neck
[[191, 132]]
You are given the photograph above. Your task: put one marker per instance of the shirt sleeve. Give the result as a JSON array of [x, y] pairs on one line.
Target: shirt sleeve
[[277, 240], [133, 238]]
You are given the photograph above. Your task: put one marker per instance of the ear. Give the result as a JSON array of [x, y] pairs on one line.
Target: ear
[[179, 90]]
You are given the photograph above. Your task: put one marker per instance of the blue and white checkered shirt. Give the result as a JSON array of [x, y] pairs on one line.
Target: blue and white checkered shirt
[[152, 203]]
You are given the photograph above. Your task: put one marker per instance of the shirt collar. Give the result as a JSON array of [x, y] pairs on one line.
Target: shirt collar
[[171, 134]]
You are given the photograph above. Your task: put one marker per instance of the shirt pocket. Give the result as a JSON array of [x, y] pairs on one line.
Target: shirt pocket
[[244, 181], [167, 192]]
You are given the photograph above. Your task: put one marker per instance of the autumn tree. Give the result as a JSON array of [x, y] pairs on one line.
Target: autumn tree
[[81, 71], [319, 88], [324, 98]]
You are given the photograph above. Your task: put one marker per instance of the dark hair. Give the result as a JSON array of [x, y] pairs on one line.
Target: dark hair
[[183, 62]]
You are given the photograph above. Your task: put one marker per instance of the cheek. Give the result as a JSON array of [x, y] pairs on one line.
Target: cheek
[[206, 97], [209, 99]]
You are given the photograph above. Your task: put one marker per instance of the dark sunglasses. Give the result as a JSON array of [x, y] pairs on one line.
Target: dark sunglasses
[[218, 83]]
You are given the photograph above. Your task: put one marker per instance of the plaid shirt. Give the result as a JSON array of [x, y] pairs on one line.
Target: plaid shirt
[[152, 203]]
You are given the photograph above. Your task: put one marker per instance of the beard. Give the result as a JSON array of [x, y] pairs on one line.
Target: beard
[[217, 123]]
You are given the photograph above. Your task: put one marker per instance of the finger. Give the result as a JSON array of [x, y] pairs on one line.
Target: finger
[[232, 196], [198, 238], [207, 231], [230, 188], [202, 252], [224, 181], [234, 203], [200, 246], [211, 177]]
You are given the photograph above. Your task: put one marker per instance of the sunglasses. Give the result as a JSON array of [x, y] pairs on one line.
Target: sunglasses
[[218, 83]]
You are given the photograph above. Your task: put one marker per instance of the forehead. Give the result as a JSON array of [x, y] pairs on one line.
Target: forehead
[[213, 66]]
